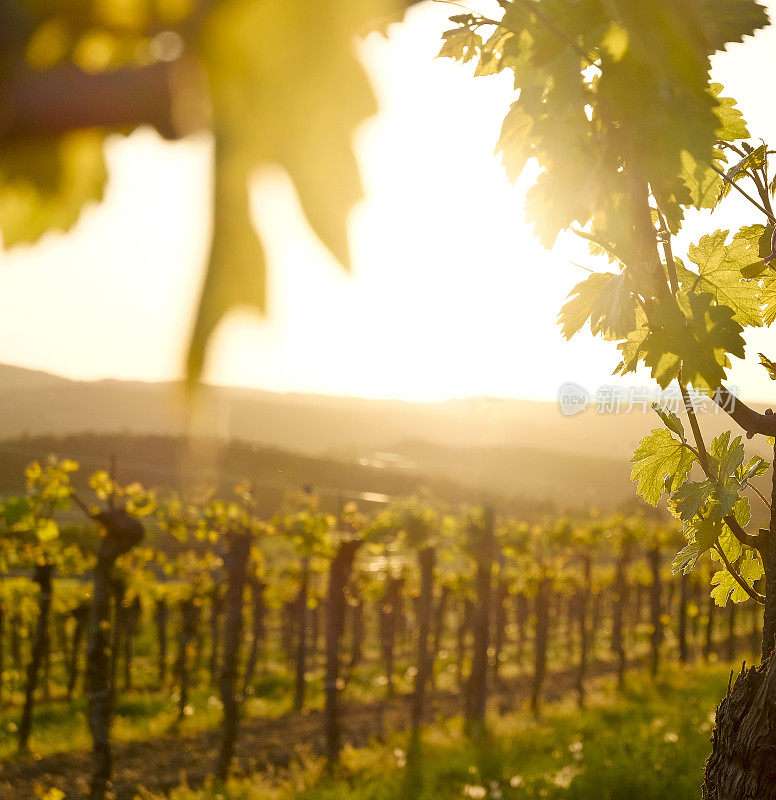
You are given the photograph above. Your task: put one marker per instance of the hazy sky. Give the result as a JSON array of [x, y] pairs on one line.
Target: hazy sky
[[451, 296]]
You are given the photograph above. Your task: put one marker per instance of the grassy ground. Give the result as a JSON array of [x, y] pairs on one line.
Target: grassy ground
[[148, 711], [649, 742], [60, 726]]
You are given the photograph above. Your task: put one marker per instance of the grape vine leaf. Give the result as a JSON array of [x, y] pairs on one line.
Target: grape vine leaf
[[725, 457], [702, 182], [703, 532], [514, 143], [670, 420], [650, 102], [462, 44], [753, 569], [751, 161], [769, 365], [753, 244], [686, 559], [719, 265], [496, 53], [604, 299], [282, 85], [706, 503], [700, 177], [729, 545], [726, 587], [690, 497], [756, 466], [632, 348], [694, 335], [661, 463], [726, 21], [709, 528], [731, 124], [767, 297]]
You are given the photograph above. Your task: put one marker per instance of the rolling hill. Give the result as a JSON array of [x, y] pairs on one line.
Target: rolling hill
[[519, 451]]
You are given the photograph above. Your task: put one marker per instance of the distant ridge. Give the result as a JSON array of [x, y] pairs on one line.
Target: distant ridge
[[514, 448], [41, 403]]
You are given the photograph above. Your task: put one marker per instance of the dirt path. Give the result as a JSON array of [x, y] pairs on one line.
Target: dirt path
[[161, 764]]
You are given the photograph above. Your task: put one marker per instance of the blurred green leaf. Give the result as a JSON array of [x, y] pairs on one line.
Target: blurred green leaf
[[286, 88], [46, 183]]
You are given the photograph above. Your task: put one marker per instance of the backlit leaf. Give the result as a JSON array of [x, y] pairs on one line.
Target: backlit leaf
[[767, 295], [730, 121], [756, 466], [725, 456], [514, 144], [719, 265], [751, 161], [769, 365], [686, 559], [753, 246], [661, 463], [461, 44], [670, 420], [696, 336], [604, 299], [690, 497], [632, 349]]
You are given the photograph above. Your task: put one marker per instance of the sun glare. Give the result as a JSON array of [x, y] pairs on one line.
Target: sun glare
[[449, 293]]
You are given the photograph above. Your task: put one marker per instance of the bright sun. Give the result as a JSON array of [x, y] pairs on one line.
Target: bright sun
[[450, 295], [450, 292]]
